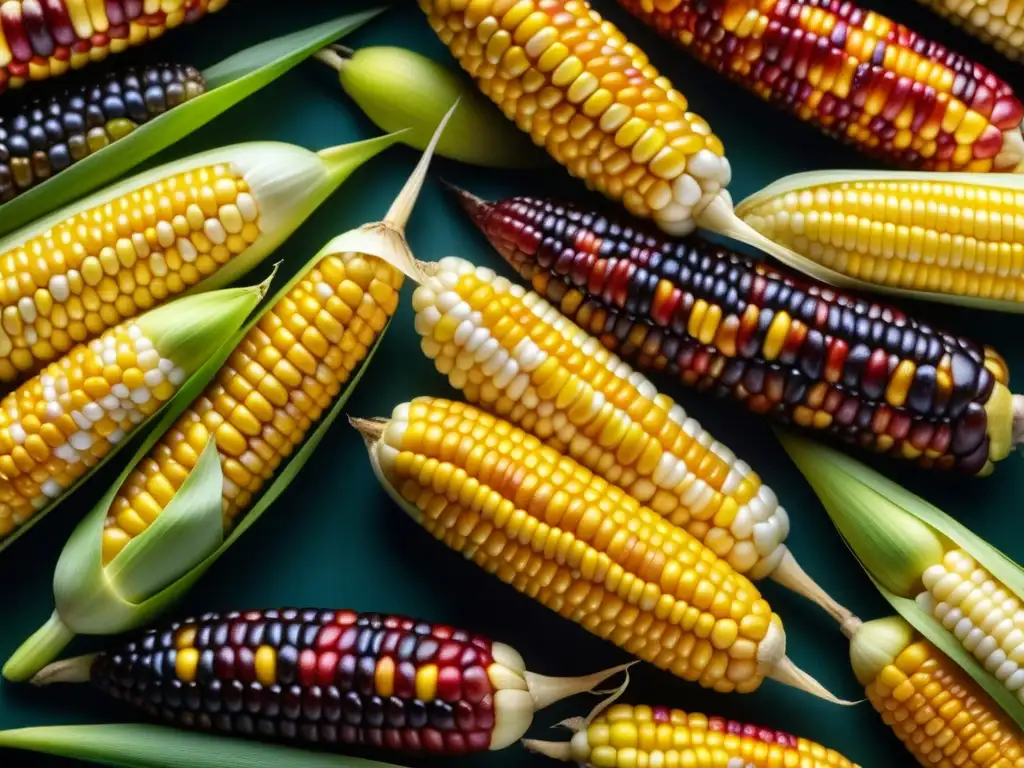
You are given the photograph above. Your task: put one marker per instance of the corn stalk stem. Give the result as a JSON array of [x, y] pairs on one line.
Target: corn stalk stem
[[334, 56], [791, 575], [547, 690], [44, 646], [788, 673]]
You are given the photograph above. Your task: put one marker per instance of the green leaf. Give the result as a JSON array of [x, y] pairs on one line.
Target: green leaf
[[190, 527], [230, 81], [153, 746]]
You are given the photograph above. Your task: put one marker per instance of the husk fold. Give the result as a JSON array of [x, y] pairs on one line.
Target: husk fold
[[228, 82], [893, 534], [143, 580]]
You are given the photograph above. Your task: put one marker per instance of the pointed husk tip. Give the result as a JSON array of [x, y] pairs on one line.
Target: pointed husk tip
[[791, 575], [546, 691], [370, 429], [788, 673], [474, 206], [74, 670]]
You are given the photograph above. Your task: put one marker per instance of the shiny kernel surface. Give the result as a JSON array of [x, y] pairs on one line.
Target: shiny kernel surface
[[592, 99], [516, 356], [794, 349], [62, 422], [625, 736], [999, 24], [859, 76], [114, 261], [539, 521], [314, 677], [42, 40], [944, 720], [268, 396]]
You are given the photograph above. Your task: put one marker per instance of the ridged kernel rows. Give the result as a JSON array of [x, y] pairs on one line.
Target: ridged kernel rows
[[999, 23], [277, 383]]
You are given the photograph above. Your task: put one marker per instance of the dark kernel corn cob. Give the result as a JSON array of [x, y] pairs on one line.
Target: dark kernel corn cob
[[40, 39], [857, 75], [627, 736], [328, 678], [799, 351], [48, 135]]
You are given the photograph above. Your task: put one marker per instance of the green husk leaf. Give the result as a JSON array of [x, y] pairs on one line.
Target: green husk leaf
[[152, 746], [867, 509], [229, 82], [808, 266]]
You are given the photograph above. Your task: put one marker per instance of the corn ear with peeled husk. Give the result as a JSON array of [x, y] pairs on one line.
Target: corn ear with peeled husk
[[103, 590], [131, 745], [954, 238], [228, 82], [191, 225], [398, 88], [957, 590]]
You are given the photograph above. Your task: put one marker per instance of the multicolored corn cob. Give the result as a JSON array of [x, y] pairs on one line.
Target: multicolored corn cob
[[273, 389], [942, 717], [59, 425], [580, 546], [43, 138], [592, 99], [999, 23], [327, 678], [627, 736], [857, 75], [46, 38], [783, 345]]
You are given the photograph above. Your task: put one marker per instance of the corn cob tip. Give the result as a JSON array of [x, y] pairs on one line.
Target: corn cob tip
[[548, 690], [791, 575], [370, 429], [75, 670], [788, 673], [558, 750], [475, 207], [334, 56], [876, 645]]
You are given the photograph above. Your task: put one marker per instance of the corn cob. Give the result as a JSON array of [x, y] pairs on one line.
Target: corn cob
[[858, 76], [941, 716], [46, 38], [326, 678], [46, 136], [513, 354], [60, 424], [952, 237], [627, 736], [797, 350], [191, 225], [998, 23], [583, 547], [591, 98]]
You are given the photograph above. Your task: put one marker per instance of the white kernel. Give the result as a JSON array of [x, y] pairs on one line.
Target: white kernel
[[215, 231], [121, 391], [60, 289], [135, 417], [324, 291], [247, 206], [53, 411], [165, 366], [1016, 680], [109, 356], [118, 414], [165, 234], [985, 647], [142, 344], [115, 437], [81, 441], [17, 433], [973, 639], [31, 336], [153, 378], [50, 394], [66, 453], [995, 660], [157, 265], [962, 628], [176, 376], [51, 488], [110, 402], [134, 332], [1005, 670], [27, 308], [93, 411], [141, 245], [187, 250], [140, 395], [83, 421]]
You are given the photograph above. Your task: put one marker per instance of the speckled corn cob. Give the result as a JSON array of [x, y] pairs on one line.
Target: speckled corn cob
[[998, 22], [328, 678], [857, 75], [934, 708], [951, 235], [591, 98], [626, 736], [584, 548], [289, 368], [44, 137], [781, 344], [46, 38]]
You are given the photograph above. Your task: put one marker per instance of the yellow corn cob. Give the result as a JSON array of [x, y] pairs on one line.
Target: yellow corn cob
[[935, 709], [584, 548], [592, 99], [276, 384], [627, 736], [998, 22], [514, 354], [945, 237], [60, 424]]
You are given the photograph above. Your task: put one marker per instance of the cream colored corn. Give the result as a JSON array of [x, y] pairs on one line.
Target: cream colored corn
[[960, 235], [934, 708], [592, 99], [626, 736], [582, 547], [58, 425], [274, 387], [998, 22], [111, 262], [514, 354]]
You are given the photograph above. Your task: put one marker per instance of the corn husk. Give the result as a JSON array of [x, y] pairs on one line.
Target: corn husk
[[895, 535], [152, 746], [398, 88], [161, 564], [228, 82], [1004, 182]]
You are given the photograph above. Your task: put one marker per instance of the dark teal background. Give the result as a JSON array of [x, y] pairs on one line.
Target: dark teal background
[[334, 539]]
